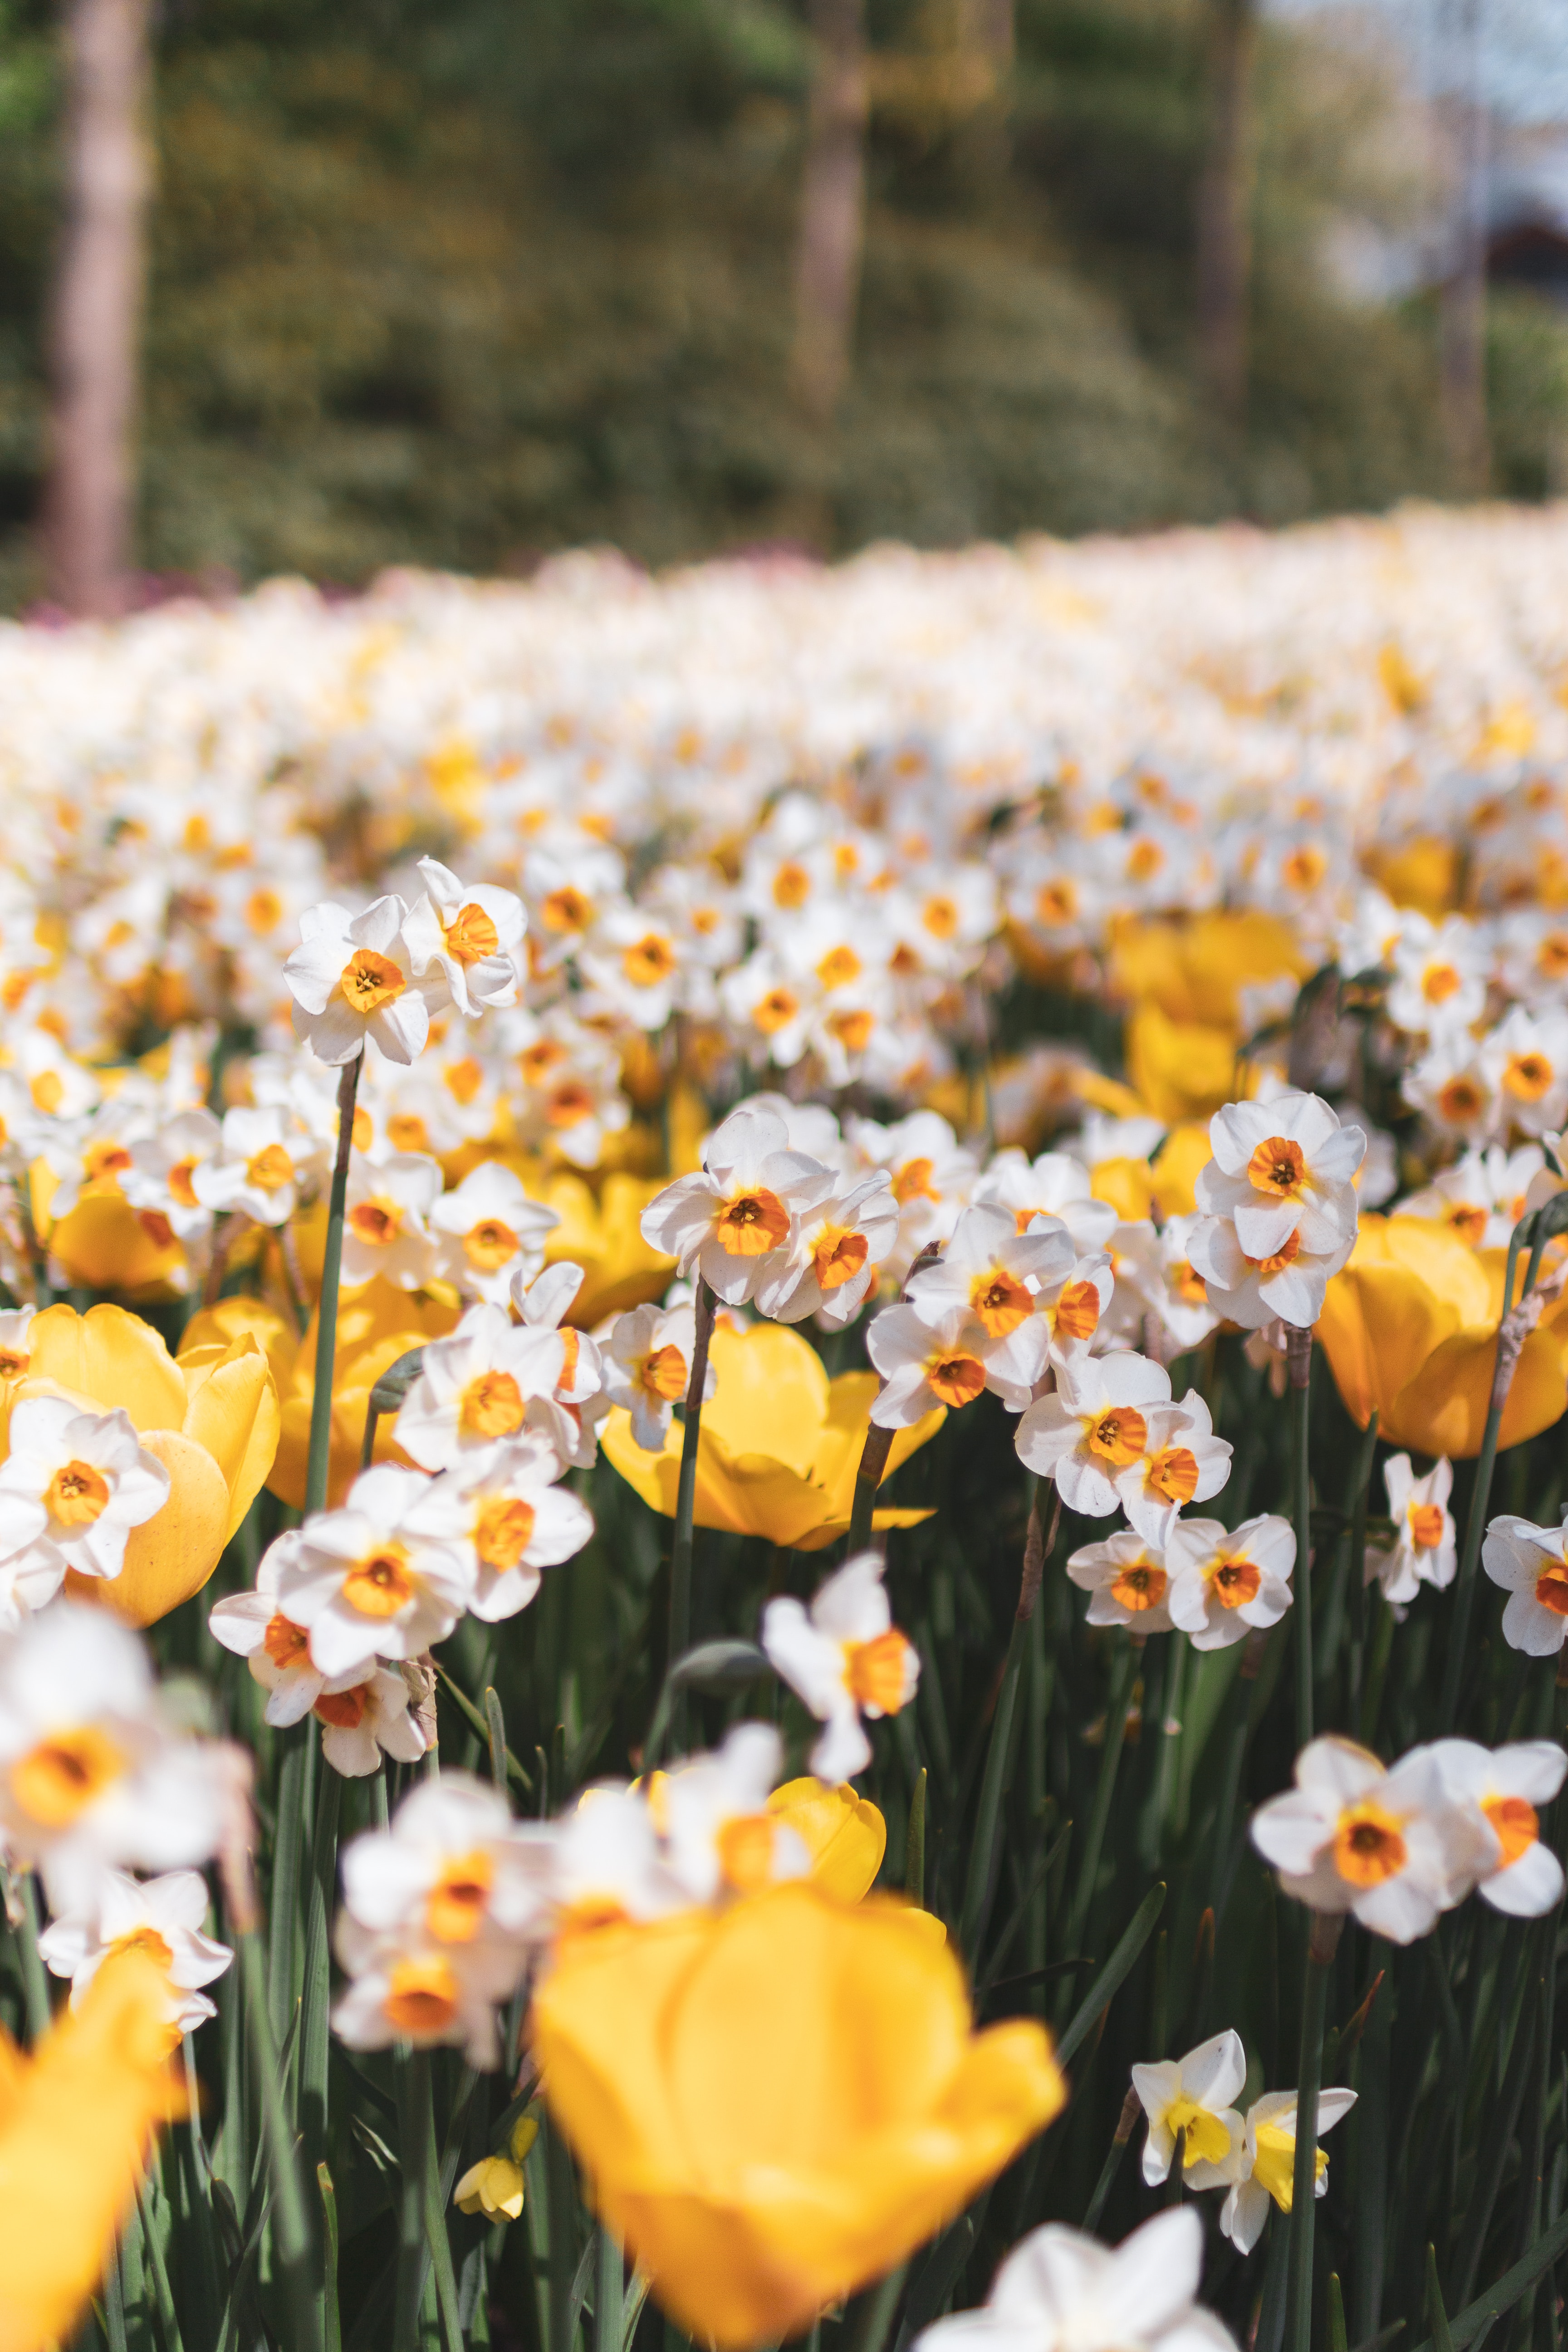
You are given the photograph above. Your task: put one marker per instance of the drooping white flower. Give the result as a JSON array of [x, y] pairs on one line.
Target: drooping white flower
[[1193, 2095], [71, 1489], [90, 1776], [1059, 2291], [352, 978], [164, 1917], [1505, 1787], [502, 1513], [366, 1716], [487, 1231], [1388, 1846], [1425, 1548], [845, 1658], [1269, 2156], [364, 1583], [733, 1223], [1223, 1584]]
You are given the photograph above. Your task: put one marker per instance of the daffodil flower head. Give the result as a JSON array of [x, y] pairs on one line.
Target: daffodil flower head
[[1094, 1429], [353, 980], [733, 1223], [1507, 1787], [1424, 1549], [647, 1356], [846, 1658], [1389, 1845], [72, 1488], [1278, 1207], [1060, 2291], [475, 1387], [487, 1231], [364, 1583], [471, 933], [1530, 1563], [721, 1836], [1128, 1580], [1270, 2159], [386, 1225], [835, 1256], [1193, 2095], [1225, 1583], [164, 1917], [501, 1510]]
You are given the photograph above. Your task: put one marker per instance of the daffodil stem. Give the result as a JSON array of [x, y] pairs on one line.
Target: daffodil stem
[[874, 2311], [1470, 1560], [313, 2019], [1116, 1712], [1299, 1355], [291, 2239], [413, 2117], [35, 1983], [873, 1469], [685, 1502], [1359, 1611], [320, 1459], [1322, 1941], [978, 1889]]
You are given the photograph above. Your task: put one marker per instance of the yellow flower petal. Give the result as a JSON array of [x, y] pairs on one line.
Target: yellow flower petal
[[75, 2122], [171, 1556], [776, 2103], [217, 1327], [233, 1412], [1444, 1409], [112, 1357], [106, 1245], [845, 1834]]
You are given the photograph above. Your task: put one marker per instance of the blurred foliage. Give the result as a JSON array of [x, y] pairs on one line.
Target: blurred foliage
[[463, 284]]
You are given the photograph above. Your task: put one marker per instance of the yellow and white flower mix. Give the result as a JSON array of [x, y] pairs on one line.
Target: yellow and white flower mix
[[714, 1033]]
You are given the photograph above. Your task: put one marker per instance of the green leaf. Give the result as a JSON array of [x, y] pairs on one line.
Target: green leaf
[[1107, 1983]]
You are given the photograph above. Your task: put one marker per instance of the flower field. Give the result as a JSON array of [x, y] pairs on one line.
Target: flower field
[[523, 1106]]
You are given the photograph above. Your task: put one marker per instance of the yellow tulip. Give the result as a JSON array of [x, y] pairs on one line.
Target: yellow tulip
[[376, 1324], [75, 2118], [843, 1834], [103, 1243], [604, 1238], [1423, 874], [210, 1419], [775, 2102], [1178, 1163], [1184, 981], [780, 1444], [1409, 1327]]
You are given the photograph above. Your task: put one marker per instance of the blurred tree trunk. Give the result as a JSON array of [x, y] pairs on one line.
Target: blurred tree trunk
[[1224, 209], [1462, 324], [95, 306], [833, 207]]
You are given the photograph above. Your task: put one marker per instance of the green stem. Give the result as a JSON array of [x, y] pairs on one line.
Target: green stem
[[915, 1843], [296, 1784], [320, 1459], [998, 1756], [685, 1502], [317, 1997], [873, 1469], [1299, 1357], [609, 2293], [1116, 1712], [1322, 1941], [333, 2330], [291, 2236], [416, 2132], [868, 2324], [1364, 1461], [35, 1982], [1476, 1522]]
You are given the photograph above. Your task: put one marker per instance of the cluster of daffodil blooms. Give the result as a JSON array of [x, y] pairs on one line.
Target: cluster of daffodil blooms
[[523, 1109]]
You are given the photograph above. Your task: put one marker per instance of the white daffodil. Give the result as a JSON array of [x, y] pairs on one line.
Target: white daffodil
[[925, 1364], [1389, 1846], [1525, 1060], [833, 1259], [1530, 1563], [647, 1362], [16, 1347], [1223, 1584], [1518, 1872], [164, 1917], [1055, 1185], [472, 934], [416, 1995], [733, 1223], [1094, 1429], [567, 1416], [1059, 2291], [487, 1231], [932, 1174], [451, 1870], [711, 1813], [1193, 2095], [71, 1489], [385, 1227], [90, 1777], [1482, 1196], [1278, 1207], [1182, 1462], [1075, 1310], [364, 1719], [161, 1180], [352, 978], [1127, 1579], [364, 1584], [267, 1163], [1158, 1264], [475, 1386], [846, 1658], [253, 1627], [995, 1275], [608, 1863], [1424, 1550], [502, 1514], [1270, 2158], [1439, 982], [1450, 1085]]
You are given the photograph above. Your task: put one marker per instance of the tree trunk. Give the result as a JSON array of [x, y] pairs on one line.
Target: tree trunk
[[96, 307], [1224, 210], [1462, 323], [833, 207]]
